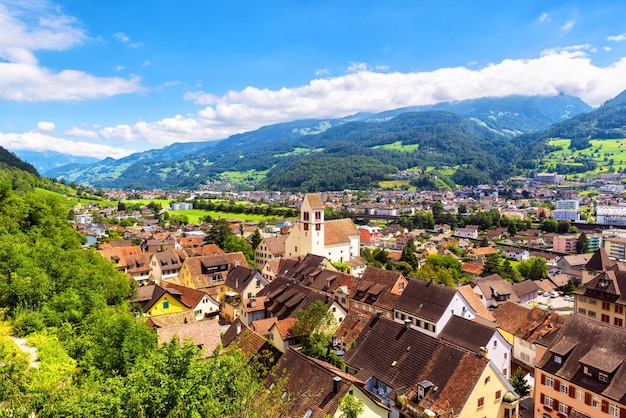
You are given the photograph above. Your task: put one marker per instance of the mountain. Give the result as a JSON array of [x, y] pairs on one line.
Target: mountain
[[475, 133], [10, 160], [48, 160]]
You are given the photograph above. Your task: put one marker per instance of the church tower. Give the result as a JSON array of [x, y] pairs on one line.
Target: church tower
[[312, 219]]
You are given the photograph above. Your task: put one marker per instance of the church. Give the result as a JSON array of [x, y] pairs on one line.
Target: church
[[337, 240]]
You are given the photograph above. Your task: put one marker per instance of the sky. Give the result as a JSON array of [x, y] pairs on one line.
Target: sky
[[110, 78]]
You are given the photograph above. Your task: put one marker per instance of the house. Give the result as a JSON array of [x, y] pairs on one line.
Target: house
[[206, 249], [427, 307], [482, 313], [203, 334], [369, 236], [573, 262], [356, 266], [314, 388], [270, 269], [470, 231], [581, 371], [278, 331], [515, 253], [253, 309], [240, 335], [523, 327], [169, 298], [201, 304], [138, 267], [525, 291], [479, 253], [493, 290], [565, 243], [241, 282], [337, 240], [377, 291], [210, 271], [414, 373], [598, 263], [481, 339], [270, 248], [117, 255], [472, 269], [603, 298], [165, 265]]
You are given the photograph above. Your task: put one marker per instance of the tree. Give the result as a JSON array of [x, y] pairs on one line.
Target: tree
[[533, 269], [316, 325], [550, 225], [521, 386], [582, 245], [234, 244], [256, 238], [350, 407], [220, 230], [491, 265], [408, 254], [564, 227]]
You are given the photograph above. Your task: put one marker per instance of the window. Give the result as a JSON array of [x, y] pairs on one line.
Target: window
[[498, 394], [487, 379], [595, 402], [583, 299], [563, 408], [525, 357], [318, 227], [249, 295], [401, 286], [306, 216], [586, 371], [495, 343], [618, 321], [592, 301], [582, 311], [591, 314], [481, 401], [166, 304], [606, 306], [603, 377], [564, 388], [619, 309], [547, 401], [318, 215], [549, 381], [557, 359], [258, 283], [580, 395], [613, 410], [606, 318], [506, 356]]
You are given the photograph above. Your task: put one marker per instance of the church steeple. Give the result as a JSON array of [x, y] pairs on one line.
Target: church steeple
[[312, 218]]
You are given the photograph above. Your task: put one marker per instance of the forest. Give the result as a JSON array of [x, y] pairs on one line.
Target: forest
[[95, 356]]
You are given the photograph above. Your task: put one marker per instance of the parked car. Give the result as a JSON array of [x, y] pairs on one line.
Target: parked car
[[554, 294]]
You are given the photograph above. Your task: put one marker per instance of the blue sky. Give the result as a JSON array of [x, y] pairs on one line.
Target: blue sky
[[109, 78]]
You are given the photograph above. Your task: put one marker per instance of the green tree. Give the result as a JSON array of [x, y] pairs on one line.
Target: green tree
[[533, 269], [582, 245], [491, 265], [408, 254], [234, 244], [256, 238], [315, 326], [220, 230], [350, 407], [564, 227], [550, 225], [521, 386], [342, 267]]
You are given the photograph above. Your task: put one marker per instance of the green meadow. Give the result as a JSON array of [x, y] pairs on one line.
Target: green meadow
[[609, 154], [398, 146]]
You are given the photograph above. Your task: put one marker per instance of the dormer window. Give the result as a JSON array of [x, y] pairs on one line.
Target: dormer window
[[556, 359], [603, 377]]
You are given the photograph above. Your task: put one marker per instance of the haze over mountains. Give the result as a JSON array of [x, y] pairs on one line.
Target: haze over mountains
[[485, 135]]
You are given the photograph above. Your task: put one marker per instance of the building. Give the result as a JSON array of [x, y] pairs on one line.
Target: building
[[567, 204], [581, 371], [616, 248], [565, 243], [337, 240], [270, 248], [611, 215], [566, 215], [603, 298], [414, 373], [377, 291]]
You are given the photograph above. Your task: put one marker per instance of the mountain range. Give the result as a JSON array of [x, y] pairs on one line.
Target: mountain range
[[481, 140]]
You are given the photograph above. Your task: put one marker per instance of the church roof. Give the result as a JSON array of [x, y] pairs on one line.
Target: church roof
[[338, 231]]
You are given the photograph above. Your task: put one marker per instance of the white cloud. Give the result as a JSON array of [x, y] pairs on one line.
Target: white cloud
[[322, 72], [617, 38], [80, 133], [607, 48], [568, 26], [121, 36], [36, 141], [120, 68], [27, 27], [356, 67], [45, 126], [568, 70], [545, 17]]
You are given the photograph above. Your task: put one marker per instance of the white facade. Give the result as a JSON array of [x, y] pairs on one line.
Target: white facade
[[569, 204], [499, 352], [205, 307], [611, 215], [566, 215]]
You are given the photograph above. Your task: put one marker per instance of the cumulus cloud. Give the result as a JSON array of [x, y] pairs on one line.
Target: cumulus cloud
[[37, 141], [45, 126], [545, 17], [123, 38], [568, 70], [30, 26], [617, 38], [81, 133], [568, 26]]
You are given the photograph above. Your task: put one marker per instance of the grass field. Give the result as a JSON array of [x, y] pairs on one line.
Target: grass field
[[394, 184], [195, 215], [398, 146], [609, 154], [243, 176]]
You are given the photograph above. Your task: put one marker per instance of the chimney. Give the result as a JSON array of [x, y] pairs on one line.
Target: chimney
[[378, 314], [336, 381], [483, 352], [253, 303], [407, 323]]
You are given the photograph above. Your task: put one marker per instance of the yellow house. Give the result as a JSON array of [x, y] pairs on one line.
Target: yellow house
[[165, 302]]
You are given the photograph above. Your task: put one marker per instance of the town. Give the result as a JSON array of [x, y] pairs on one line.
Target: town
[[517, 290]]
